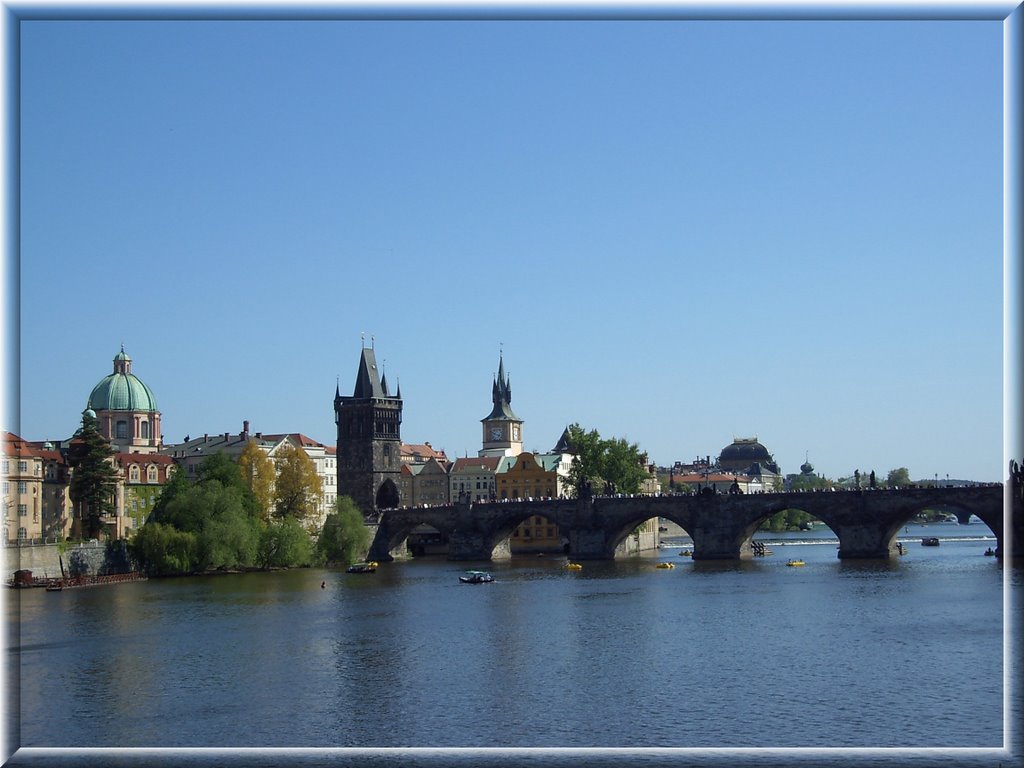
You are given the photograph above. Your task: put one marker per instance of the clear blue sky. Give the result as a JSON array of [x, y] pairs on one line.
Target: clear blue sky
[[680, 232]]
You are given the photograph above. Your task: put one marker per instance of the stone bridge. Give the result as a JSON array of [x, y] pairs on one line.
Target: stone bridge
[[721, 525]]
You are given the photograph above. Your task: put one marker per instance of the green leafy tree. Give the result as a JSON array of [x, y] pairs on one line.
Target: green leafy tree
[[624, 465], [94, 477], [297, 487], [284, 543], [809, 483], [257, 471], [163, 550], [344, 538], [898, 478], [601, 462], [586, 464]]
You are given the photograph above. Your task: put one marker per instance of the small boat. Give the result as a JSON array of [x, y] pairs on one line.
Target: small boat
[[665, 565], [476, 577], [54, 587], [573, 566], [930, 541], [686, 553], [989, 552], [795, 563], [368, 567]]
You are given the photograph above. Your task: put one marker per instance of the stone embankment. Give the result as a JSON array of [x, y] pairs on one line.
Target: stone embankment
[[86, 559]]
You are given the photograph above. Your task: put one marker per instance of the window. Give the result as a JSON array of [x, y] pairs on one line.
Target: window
[[23, 466], [6, 466], [133, 474], [22, 510], [151, 474], [22, 487], [145, 429], [7, 488], [122, 429], [22, 534]]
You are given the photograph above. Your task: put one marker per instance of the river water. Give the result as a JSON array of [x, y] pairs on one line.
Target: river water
[[897, 661]]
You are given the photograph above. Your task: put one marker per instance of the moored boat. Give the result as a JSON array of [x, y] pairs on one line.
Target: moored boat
[[795, 563], [573, 566], [665, 565], [930, 541], [476, 577], [367, 567]]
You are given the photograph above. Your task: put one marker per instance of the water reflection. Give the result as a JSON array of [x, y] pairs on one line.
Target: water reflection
[[708, 654]]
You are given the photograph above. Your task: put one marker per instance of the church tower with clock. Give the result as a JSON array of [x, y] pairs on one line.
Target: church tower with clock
[[503, 430]]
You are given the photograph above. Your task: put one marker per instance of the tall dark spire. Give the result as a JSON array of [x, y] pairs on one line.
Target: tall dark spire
[[501, 395]]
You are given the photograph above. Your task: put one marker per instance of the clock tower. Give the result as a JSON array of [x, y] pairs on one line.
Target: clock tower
[[503, 430]]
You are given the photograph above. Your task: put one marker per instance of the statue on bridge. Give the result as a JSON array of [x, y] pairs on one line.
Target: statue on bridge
[[1016, 479]]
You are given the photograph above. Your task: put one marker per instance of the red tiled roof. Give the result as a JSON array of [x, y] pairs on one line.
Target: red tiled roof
[[144, 458], [479, 462]]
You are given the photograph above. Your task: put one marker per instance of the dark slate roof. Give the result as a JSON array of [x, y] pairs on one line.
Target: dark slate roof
[[501, 396]]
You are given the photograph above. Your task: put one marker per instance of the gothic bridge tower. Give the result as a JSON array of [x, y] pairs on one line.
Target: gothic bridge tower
[[369, 439]]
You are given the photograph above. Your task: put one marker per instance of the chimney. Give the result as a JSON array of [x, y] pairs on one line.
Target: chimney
[[227, 436], [206, 438], [245, 429]]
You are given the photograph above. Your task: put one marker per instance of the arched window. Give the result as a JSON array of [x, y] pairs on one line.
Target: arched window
[[133, 474], [151, 474]]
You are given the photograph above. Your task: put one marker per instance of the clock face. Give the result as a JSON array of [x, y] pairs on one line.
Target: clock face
[[495, 433]]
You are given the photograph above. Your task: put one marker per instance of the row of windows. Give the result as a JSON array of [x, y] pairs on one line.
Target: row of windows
[[22, 467], [151, 474], [121, 430]]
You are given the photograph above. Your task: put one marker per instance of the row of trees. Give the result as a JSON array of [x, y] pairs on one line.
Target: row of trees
[[253, 513], [220, 522]]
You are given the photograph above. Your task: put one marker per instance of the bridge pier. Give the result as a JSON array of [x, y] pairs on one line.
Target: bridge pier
[[589, 544], [473, 545], [866, 542]]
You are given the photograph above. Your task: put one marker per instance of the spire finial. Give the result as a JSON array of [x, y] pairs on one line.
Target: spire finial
[[372, 340], [362, 339]]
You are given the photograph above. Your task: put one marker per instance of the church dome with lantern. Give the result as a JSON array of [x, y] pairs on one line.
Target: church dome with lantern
[[126, 409]]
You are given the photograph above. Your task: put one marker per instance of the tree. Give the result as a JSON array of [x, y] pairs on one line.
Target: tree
[[297, 487], [614, 463], [94, 477], [257, 471], [344, 539], [163, 550], [898, 478], [624, 465], [284, 543]]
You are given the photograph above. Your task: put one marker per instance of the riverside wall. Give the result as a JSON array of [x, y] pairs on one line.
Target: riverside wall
[[89, 558]]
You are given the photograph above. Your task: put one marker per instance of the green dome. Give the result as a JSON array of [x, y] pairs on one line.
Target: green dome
[[122, 390]]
